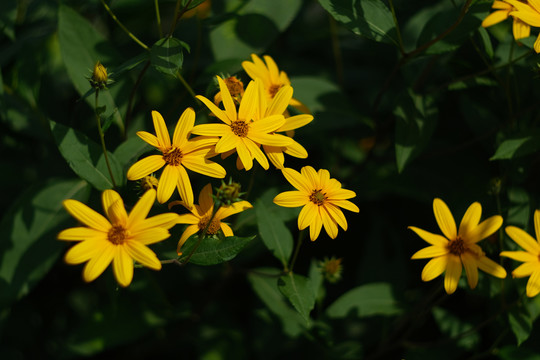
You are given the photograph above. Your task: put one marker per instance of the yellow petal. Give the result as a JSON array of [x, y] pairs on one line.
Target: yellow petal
[[528, 16], [150, 235], [184, 187], [298, 180], [491, 267], [162, 132], [142, 255], [433, 239], [533, 285], [267, 125], [295, 122], [141, 209], [248, 105], [519, 256], [329, 223], [84, 251], [206, 202], [315, 228], [535, 4], [523, 239], [149, 138], [340, 194], [183, 127], [273, 70], [275, 155], [291, 199], [280, 101], [470, 220], [244, 155], [537, 224], [235, 208], [525, 269], [444, 219], [190, 230], [204, 166], [537, 45], [311, 176], [145, 167], [307, 215], [271, 139], [434, 268], [80, 233], [201, 142], [220, 114], [346, 204], [114, 207], [497, 4], [430, 252], [97, 264], [484, 229], [256, 69], [337, 215], [228, 141], [211, 129], [188, 219], [495, 18], [228, 102], [296, 150], [165, 221], [453, 273], [86, 215], [257, 153], [123, 266], [471, 269], [167, 183], [520, 29]]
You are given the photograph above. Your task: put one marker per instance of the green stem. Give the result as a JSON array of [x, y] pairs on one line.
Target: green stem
[[202, 234], [186, 85], [102, 138], [158, 18], [178, 14], [398, 32], [336, 50], [129, 33], [296, 250]]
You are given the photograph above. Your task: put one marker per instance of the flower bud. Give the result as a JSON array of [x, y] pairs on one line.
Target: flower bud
[[148, 182], [228, 193], [331, 269], [99, 77]]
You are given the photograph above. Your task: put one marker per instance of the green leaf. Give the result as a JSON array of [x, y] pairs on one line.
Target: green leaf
[[274, 233], [108, 121], [317, 280], [519, 209], [255, 24], [517, 146], [366, 300], [213, 250], [521, 323], [264, 283], [28, 245], [166, 55], [81, 46], [299, 290], [415, 123], [510, 352], [85, 157], [369, 18], [453, 326], [8, 16]]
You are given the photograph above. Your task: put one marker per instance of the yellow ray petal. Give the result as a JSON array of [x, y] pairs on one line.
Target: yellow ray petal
[[257, 153], [296, 150], [307, 215], [337, 215], [340, 194], [183, 127], [228, 102], [206, 202], [190, 219], [495, 18], [453, 273], [298, 180], [150, 235], [244, 155], [211, 129], [84, 251], [123, 266], [535, 4], [315, 228], [484, 229], [81, 233], [470, 220], [267, 125], [471, 269], [434, 268], [167, 183], [497, 4], [184, 187], [255, 72], [520, 29], [275, 155], [143, 255], [525, 269], [310, 174], [165, 221], [329, 223], [295, 122], [114, 207], [86, 215], [523, 239], [537, 224], [519, 256], [533, 285], [491, 267], [346, 204], [273, 70], [220, 114], [537, 45], [200, 142], [430, 252], [145, 167], [141, 209], [444, 219], [280, 101], [162, 132], [229, 141], [528, 16], [227, 231], [149, 138], [235, 208], [190, 230], [270, 139], [97, 264], [204, 166], [433, 239], [250, 100], [291, 199]]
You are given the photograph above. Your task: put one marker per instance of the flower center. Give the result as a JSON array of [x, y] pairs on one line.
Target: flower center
[[240, 128], [274, 88], [173, 156], [457, 246], [212, 228], [317, 197], [235, 86], [117, 234]]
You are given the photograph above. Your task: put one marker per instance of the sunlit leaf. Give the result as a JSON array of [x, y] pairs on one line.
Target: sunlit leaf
[[517, 146], [299, 290], [167, 55]]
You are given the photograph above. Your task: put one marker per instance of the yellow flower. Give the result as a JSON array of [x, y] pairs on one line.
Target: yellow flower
[[530, 257], [273, 79], [120, 239], [99, 76], [458, 247], [201, 214], [529, 14], [236, 89], [239, 132], [321, 198], [178, 155], [278, 105]]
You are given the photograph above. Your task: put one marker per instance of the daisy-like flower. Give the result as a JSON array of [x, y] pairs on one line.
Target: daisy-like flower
[[239, 132], [236, 89], [273, 79], [458, 248], [321, 198], [503, 10], [201, 214], [530, 257], [529, 14], [176, 157], [120, 239], [278, 105]]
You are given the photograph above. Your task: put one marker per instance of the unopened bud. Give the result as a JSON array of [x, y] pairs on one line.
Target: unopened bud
[[99, 77], [331, 269], [148, 182], [228, 193]]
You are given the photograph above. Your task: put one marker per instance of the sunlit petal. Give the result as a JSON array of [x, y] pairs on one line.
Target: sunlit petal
[[248, 105], [190, 230], [430, 252], [161, 130], [470, 219], [453, 273], [491, 267], [141, 208], [346, 204], [298, 180], [227, 231], [523, 239], [471, 269], [444, 219], [484, 229], [167, 183], [228, 102], [291, 199], [220, 114], [280, 101], [123, 266], [329, 223], [307, 215], [245, 155], [184, 187], [204, 166], [228, 141], [533, 285], [315, 228], [495, 18], [97, 264], [145, 167], [295, 122], [86, 215], [85, 250], [310, 174], [143, 255], [433, 239], [257, 153], [149, 138], [183, 127], [519, 256], [434, 268], [80, 233], [337, 215]]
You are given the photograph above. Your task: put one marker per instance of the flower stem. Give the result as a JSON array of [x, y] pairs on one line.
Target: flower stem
[[102, 138], [296, 250], [186, 85], [158, 18], [178, 14], [400, 40], [129, 33], [202, 234]]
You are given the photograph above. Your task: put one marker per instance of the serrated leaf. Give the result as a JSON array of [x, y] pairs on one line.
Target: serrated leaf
[[274, 234], [264, 283], [213, 250], [517, 146], [28, 245], [369, 18], [366, 300], [299, 290], [166, 55], [85, 157]]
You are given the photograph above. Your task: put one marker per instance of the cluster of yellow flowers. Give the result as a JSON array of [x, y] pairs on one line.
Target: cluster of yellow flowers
[[458, 248], [252, 118], [525, 14]]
